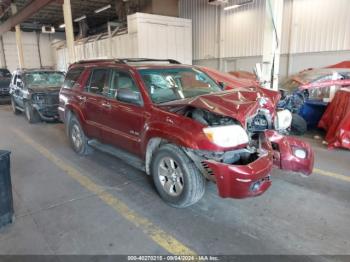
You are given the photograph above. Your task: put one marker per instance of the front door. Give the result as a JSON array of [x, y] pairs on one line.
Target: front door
[[123, 121]]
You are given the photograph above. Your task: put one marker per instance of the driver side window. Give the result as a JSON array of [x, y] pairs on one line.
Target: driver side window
[[122, 83]]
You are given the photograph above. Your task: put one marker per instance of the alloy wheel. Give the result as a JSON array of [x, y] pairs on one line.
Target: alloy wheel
[[76, 137], [170, 176]]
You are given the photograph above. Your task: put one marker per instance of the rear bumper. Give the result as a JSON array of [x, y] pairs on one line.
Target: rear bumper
[[285, 156]]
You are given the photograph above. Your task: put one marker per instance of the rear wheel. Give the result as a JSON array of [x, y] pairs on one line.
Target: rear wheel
[[31, 114], [14, 107], [299, 125], [177, 179], [78, 139]]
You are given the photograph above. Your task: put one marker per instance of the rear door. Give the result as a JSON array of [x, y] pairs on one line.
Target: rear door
[[91, 102], [123, 121]]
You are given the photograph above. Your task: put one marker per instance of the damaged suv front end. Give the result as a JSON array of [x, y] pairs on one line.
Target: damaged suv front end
[[238, 143]]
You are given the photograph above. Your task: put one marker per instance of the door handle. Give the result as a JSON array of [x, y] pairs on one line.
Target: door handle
[[82, 98], [106, 105]]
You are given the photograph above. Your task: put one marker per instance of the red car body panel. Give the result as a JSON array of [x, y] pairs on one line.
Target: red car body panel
[[160, 121], [231, 82], [237, 181], [284, 157]]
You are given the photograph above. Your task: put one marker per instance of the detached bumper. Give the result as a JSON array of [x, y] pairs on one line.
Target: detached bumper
[[291, 154], [235, 181], [47, 113]]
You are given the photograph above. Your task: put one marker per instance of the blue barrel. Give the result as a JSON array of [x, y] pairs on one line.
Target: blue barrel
[[6, 199]]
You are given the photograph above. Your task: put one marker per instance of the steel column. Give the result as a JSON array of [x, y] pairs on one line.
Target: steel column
[[272, 43], [18, 39], [68, 21]]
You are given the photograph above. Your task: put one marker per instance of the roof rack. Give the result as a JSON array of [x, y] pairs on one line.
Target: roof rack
[[141, 60], [96, 60], [127, 60]]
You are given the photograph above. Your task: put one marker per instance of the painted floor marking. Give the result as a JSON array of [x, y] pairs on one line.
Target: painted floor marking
[[159, 236]]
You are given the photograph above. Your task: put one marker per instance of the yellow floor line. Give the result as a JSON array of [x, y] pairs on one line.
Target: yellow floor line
[[159, 236], [331, 174]]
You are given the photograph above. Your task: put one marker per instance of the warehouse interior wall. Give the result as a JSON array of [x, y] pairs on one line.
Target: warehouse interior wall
[[314, 34], [31, 47]]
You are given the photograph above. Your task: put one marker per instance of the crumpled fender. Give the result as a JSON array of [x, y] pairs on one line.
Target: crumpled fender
[[284, 156]]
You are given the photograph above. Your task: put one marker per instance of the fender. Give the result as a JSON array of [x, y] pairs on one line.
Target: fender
[[170, 133]]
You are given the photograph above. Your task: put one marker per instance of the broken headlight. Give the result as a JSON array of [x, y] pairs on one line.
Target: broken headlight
[[227, 136], [283, 120]]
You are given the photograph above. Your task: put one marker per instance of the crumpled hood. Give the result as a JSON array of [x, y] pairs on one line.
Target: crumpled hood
[[45, 89], [239, 103]]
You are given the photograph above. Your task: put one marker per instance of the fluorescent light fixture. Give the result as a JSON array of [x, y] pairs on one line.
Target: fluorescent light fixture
[[103, 9], [237, 5], [80, 18], [62, 26], [231, 7]]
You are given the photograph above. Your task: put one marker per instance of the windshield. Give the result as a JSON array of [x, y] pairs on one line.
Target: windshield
[[44, 79], [165, 85]]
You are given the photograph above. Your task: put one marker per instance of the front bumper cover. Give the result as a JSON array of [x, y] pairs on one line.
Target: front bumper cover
[[253, 179], [242, 181], [285, 157]]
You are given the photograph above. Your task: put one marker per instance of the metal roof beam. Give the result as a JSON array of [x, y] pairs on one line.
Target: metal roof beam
[[23, 14]]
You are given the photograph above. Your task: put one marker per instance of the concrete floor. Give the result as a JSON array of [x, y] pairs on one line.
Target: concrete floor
[[57, 215]]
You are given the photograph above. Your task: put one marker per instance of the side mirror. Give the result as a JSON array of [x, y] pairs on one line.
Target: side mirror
[[129, 96]]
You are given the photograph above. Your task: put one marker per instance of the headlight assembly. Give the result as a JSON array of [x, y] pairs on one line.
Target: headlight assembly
[[227, 136], [283, 120]]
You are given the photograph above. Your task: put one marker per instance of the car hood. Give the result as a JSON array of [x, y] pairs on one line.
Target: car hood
[[44, 89], [239, 103]]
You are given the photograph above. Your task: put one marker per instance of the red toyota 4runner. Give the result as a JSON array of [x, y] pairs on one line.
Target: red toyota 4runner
[[177, 124]]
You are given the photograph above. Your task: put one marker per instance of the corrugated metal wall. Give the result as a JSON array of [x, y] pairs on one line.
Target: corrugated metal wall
[[30, 50], [311, 25]]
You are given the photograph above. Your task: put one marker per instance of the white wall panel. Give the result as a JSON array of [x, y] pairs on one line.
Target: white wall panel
[[30, 50], [149, 36], [308, 26]]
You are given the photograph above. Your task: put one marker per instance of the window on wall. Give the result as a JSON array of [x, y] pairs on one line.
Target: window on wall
[[98, 81]]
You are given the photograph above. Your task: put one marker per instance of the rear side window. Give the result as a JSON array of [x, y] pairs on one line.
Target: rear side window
[[72, 77]]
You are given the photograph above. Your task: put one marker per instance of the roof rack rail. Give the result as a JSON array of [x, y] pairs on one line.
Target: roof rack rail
[[96, 60], [141, 60]]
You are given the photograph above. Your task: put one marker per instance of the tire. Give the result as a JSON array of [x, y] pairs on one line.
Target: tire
[[299, 125], [14, 108], [189, 187], [77, 138], [31, 114]]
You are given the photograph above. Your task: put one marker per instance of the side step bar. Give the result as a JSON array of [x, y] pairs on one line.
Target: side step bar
[[128, 158]]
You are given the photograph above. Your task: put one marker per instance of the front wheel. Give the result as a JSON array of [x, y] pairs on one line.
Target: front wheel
[[78, 139], [31, 114], [176, 178]]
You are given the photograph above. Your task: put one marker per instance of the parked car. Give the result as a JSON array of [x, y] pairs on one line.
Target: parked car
[[180, 125], [35, 92], [5, 79], [308, 93]]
